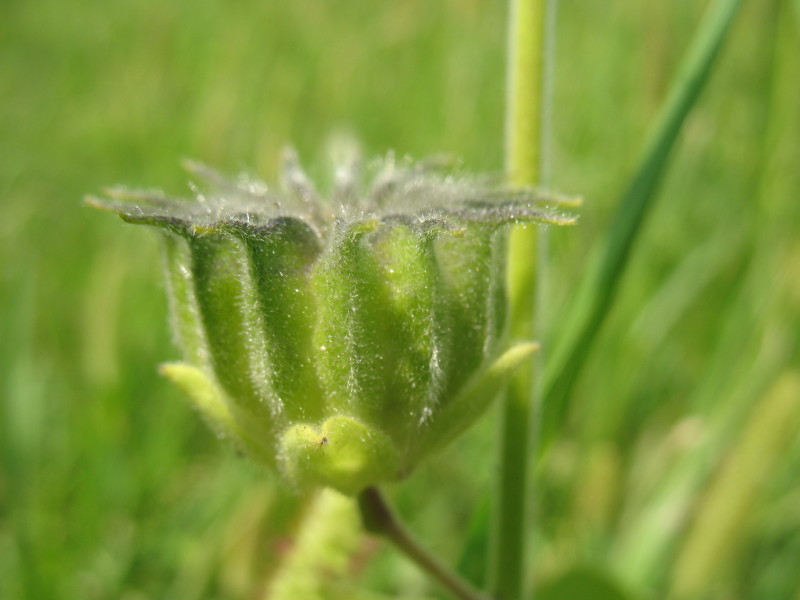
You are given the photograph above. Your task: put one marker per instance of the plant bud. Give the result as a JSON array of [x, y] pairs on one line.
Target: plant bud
[[339, 341]]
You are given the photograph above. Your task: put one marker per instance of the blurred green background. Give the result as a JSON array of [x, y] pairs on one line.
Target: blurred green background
[[677, 471]]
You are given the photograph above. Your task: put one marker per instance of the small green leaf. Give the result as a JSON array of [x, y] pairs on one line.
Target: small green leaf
[[210, 402], [476, 396]]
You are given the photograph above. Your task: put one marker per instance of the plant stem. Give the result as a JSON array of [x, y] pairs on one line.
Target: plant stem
[[523, 166], [379, 519]]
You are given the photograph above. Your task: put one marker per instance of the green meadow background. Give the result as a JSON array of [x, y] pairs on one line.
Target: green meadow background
[[677, 471]]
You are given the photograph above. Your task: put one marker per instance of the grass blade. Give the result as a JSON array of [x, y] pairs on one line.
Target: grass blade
[[604, 275]]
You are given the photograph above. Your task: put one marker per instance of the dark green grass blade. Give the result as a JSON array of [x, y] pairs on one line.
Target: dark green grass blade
[[604, 275]]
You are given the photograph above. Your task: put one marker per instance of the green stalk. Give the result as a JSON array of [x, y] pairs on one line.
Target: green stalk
[[523, 164], [598, 289], [379, 519]]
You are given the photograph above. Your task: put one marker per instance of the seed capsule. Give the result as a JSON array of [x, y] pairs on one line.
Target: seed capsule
[[340, 342]]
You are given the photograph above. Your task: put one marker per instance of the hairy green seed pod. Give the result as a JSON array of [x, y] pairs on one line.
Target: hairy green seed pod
[[340, 342]]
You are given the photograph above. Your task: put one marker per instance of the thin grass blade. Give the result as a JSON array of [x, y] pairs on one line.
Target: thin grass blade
[[600, 285]]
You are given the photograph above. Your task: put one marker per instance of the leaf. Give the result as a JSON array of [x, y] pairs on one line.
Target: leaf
[[599, 286], [209, 400], [476, 396]]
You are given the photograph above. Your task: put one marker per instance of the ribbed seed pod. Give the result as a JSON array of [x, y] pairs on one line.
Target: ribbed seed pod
[[340, 342], [280, 257]]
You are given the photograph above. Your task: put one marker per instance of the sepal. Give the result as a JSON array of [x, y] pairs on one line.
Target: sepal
[[342, 453], [210, 401]]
